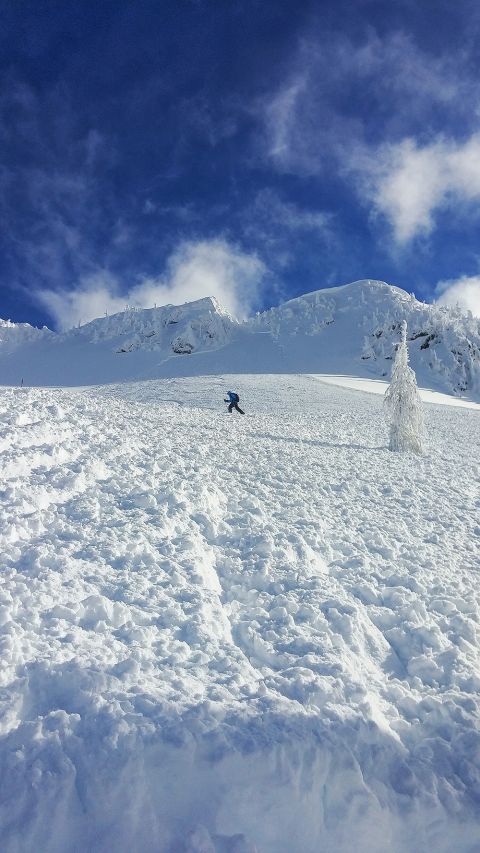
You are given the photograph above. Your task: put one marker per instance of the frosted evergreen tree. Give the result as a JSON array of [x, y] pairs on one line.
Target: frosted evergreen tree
[[403, 403]]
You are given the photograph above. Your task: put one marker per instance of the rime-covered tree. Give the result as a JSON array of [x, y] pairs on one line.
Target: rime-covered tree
[[403, 403]]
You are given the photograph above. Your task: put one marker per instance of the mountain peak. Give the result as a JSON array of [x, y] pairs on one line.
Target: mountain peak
[[365, 286]]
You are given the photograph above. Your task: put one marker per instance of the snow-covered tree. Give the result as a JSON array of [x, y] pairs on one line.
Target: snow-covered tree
[[403, 403]]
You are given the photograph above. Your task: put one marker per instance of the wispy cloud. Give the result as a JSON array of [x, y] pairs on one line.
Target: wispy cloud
[[210, 121], [280, 225], [194, 270], [368, 113], [272, 207], [54, 241], [53, 203], [322, 108], [280, 116], [463, 291]]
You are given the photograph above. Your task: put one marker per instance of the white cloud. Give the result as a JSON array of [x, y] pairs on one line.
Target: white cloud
[[409, 183], [194, 270], [149, 206], [310, 122], [271, 207], [319, 122], [280, 118], [95, 294], [463, 291]]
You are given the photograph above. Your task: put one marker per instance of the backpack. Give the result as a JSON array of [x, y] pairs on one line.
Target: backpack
[[233, 397]]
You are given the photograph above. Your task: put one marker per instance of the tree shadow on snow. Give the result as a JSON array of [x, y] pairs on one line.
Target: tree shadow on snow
[[315, 443]]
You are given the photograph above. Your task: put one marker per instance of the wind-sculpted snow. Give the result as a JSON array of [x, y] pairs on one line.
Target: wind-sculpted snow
[[233, 634]]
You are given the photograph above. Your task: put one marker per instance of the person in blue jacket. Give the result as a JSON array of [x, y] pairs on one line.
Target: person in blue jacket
[[233, 401]]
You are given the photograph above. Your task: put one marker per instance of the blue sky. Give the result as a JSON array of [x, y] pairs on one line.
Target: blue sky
[[250, 149]]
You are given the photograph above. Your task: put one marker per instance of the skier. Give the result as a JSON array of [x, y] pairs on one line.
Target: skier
[[233, 402]]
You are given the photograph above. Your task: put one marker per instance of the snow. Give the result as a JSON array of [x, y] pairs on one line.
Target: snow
[[377, 386], [236, 634], [351, 330], [355, 329]]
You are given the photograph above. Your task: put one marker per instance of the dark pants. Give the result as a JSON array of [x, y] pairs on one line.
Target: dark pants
[[235, 406]]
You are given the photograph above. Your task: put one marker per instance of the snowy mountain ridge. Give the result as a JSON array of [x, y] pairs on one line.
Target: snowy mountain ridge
[[444, 342], [13, 335], [350, 329], [199, 325]]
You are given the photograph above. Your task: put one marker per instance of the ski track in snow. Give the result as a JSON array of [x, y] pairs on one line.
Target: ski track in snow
[[224, 633]]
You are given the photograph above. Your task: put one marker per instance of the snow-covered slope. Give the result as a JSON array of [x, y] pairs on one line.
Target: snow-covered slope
[[351, 329], [226, 634], [360, 322], [131, 344]]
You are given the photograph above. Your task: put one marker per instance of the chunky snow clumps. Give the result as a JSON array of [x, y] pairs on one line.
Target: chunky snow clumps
[[236, 635]]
